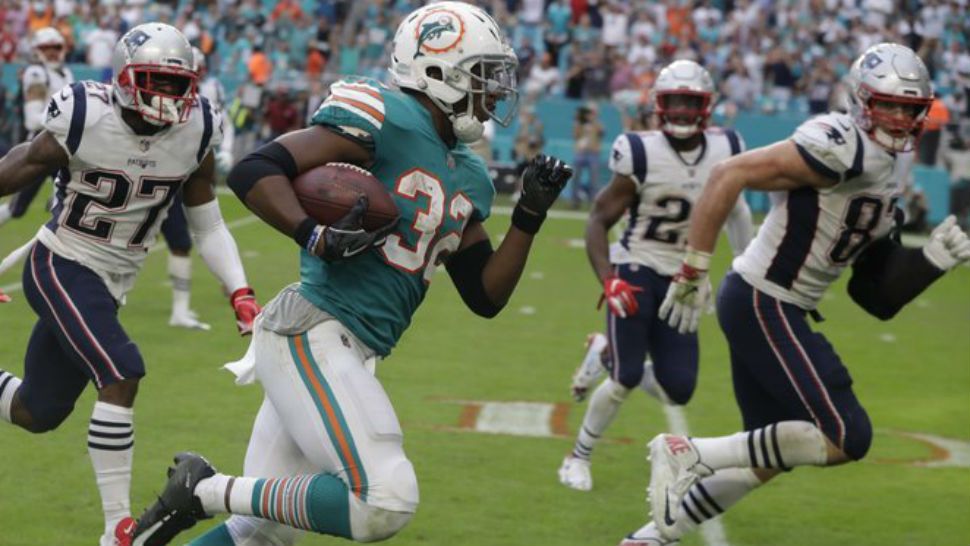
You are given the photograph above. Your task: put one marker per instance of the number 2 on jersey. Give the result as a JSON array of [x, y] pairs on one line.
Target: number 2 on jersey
[[678, 210], [78, 218]]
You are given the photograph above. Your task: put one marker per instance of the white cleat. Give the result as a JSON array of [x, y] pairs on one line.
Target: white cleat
[[675, 466], [188, 320], [575, 474], [648, 535], [591, 368]]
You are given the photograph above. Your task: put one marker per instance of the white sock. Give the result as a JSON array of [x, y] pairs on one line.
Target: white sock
[[651, 386], [713, 495], [5, 214], [603, 407], [9, 383], [213, 493], [782, 445], [180, 273], [111, 441]]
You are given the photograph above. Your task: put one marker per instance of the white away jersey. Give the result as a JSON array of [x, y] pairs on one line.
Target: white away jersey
[[668, 186], [811, 235], [118, 186], [52, 80]]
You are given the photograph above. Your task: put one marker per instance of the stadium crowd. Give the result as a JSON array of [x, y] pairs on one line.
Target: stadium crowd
[[276, 59]]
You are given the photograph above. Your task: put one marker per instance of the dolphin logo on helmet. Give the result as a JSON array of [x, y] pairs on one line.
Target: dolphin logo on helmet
[[434, 30]]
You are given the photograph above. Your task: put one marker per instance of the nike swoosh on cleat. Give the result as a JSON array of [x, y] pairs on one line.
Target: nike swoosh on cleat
[[130, 528], [667, 518]]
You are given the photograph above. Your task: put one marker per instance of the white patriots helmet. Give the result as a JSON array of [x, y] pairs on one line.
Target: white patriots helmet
[[688, 115], [893, 76], [49, 39], [451, 51], [150, 54]]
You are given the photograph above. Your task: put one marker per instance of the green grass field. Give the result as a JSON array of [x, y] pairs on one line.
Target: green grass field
[[912, 374]]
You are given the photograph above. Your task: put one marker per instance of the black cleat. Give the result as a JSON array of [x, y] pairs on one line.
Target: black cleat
[[177, 508]]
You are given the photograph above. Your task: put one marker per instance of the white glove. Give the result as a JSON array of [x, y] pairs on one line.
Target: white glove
[[223, 161], [689, 294], [948, 245]]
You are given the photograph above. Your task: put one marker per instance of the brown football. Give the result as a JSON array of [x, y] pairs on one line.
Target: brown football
[[327, 193]]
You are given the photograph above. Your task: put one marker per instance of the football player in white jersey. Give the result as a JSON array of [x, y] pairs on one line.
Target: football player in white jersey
[[839, 189], [175, 228], [657, 177], [121, 152], [40, 81]]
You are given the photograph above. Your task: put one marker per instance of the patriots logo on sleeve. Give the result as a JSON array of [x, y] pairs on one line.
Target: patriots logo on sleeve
[[833, 134], [52, 110], [617, 155]]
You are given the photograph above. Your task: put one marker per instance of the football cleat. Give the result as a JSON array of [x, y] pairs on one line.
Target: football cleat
[[177, 508], [675, 466], [648, 536], [574, 473], [188, 320], [591, 367]]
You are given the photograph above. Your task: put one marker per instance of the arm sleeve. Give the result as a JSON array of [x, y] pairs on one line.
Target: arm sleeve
[[831, 145], [739, 228], [628, 157], [465, 269], [216, 245], [887, 276], [34, 114], [65, 117]]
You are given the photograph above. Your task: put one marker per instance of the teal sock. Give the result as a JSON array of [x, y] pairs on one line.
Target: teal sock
[[217, 536], [316, 503]]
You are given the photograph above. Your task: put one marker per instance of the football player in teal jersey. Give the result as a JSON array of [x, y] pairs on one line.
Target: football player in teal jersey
[[326, 452]]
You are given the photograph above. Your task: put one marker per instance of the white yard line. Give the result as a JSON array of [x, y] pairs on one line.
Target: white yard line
[[239, 222], [712, 530]]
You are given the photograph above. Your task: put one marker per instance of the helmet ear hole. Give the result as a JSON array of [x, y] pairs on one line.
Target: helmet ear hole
[[434, 72]]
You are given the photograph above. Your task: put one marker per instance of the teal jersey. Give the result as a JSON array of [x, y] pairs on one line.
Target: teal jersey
[[438, 191]]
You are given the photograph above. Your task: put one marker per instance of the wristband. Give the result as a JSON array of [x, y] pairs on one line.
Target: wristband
[[526, 221], [698, 260], [304, 231]]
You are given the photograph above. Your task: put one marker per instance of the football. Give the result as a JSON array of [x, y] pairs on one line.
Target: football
[[327, 193]]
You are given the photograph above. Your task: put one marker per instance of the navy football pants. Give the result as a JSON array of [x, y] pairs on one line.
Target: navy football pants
[[784, 371]]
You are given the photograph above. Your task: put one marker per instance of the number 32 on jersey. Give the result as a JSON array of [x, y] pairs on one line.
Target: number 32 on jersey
[[431, 247]]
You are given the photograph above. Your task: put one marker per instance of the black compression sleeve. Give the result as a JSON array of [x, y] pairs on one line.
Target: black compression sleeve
[[465, 269], [269, 160], [887, 276]]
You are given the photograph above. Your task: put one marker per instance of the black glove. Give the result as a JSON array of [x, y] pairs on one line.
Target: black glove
[[542, 180], [346, 237]]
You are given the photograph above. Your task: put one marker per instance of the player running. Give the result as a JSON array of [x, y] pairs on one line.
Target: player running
[[838, 174], [658, 176], [326, 452], [40, 81], [121, 152]]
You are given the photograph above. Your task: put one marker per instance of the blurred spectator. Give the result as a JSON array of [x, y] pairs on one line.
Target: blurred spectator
[[917, 210], [739, 88], [558, 16], [286, 11], [8, 43], [259, 66], [544, 78], [40, 15], [281, 114], [956, 158], [529, 138], [587, 137], [929, 142], [779, 73], [100, 42], [616, 20], [819, 88]]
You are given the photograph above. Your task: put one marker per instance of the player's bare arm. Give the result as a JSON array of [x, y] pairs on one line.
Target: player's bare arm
[[777, 167], [485, 279], [608, 208], [26, 162], [198, 188], [265, 175]]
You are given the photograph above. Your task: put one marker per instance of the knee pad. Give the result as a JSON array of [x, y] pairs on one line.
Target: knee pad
[[630, 377], [390, 507], [858, 433]]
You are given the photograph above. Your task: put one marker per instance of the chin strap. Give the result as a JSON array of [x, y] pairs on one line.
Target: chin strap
[[467, 129]]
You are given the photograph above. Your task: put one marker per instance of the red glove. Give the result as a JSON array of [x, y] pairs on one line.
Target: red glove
[[3, 297], [244, 304], [620, 296]]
